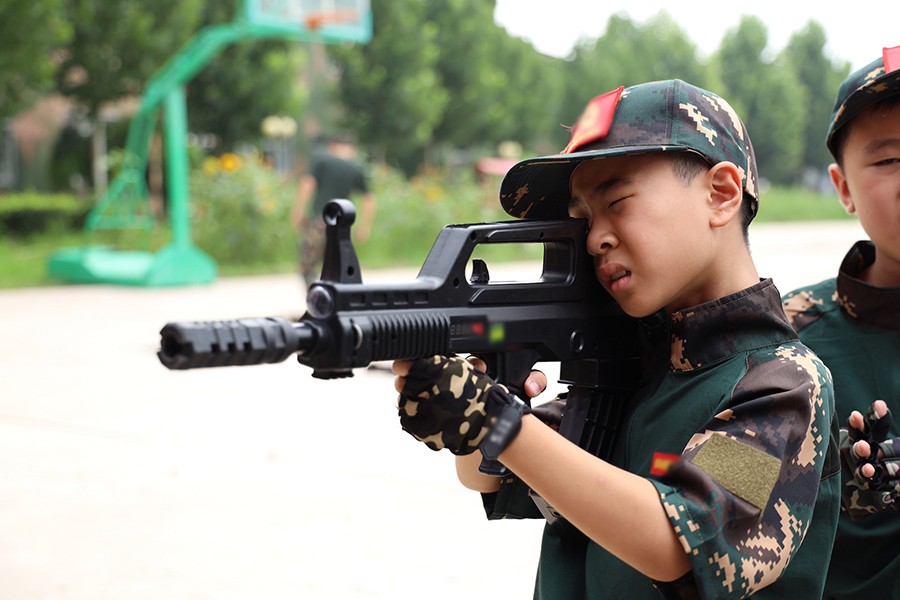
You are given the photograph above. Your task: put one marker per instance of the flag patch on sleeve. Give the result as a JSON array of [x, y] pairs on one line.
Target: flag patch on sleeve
[[661, 462]]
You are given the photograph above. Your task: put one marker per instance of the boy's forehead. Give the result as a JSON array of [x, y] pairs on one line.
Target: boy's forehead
[[875, 127]]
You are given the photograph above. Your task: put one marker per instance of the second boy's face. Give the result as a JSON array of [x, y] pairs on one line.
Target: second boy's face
[[869, 186], [649, 232]]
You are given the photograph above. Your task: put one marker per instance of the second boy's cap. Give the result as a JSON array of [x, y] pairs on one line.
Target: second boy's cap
[[662, 116], [863, 88]]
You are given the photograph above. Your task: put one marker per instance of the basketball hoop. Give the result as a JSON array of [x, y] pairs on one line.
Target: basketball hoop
[[315, 20]]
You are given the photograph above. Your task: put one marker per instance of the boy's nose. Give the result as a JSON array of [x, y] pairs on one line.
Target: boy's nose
[[600, 239]]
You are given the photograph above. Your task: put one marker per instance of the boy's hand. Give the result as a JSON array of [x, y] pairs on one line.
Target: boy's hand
[[446, 403], [869, 483], [549, 412]]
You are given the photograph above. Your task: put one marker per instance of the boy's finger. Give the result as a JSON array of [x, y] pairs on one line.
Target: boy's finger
[[400, 368], [479, 364], [536, 383], [877, 426], [856, 420]]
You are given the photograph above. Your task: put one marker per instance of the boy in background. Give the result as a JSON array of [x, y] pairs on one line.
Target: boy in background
[[853, 323]]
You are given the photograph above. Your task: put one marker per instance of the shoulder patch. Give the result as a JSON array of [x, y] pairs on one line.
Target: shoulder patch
[[744, 471]]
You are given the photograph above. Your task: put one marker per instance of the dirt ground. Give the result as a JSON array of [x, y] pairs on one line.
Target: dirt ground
[[120, 479]]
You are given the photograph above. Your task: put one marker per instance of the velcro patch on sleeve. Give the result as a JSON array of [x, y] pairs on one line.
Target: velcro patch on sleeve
[[744, 471]]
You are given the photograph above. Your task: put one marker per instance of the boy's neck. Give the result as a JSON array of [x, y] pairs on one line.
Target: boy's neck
[[883, 273]]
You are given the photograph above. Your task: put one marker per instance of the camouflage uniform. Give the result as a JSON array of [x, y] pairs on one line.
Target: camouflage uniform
[[735, 424], [747, 409], [855, 329]]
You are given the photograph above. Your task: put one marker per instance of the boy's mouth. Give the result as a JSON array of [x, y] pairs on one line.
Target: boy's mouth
[[619, 275]]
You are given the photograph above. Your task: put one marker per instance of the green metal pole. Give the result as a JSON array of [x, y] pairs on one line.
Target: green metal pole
[[177, 165]]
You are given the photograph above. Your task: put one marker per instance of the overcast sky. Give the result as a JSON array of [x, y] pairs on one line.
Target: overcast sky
[[856, 35]]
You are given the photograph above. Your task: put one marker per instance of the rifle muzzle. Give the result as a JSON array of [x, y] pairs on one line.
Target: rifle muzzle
[[196, 345]]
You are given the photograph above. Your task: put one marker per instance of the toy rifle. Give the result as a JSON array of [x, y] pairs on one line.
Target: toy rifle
[[565, 316]]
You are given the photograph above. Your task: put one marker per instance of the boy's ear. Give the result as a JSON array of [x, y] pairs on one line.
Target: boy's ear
[[725, 193], [840, 185]]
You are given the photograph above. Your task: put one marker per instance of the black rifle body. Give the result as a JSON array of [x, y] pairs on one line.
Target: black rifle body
[[565, 316]]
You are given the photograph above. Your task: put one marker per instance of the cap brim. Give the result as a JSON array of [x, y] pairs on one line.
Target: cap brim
[[884, 87], [538, 188]]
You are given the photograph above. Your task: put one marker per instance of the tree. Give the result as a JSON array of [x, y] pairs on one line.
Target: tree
[[766, 98], [819, 78], [115, 48], [243, 84], [31, 34], [389, 89], [627, 54]]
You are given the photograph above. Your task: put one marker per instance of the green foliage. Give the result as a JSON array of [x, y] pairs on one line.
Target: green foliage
[[30, 33], [245, 83], [26, 215], [412, 212], [245, 206], [240, 211], [768, 100], [389, 88], [629, 53], [117, 46], [818, 79]]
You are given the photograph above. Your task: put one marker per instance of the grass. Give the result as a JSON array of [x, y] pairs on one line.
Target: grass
[[794, 204], [23, 262]]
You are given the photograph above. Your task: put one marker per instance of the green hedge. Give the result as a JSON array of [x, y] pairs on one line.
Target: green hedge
[[24, 215]]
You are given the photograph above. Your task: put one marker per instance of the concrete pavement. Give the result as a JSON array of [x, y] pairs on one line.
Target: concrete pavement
[[122, 480]]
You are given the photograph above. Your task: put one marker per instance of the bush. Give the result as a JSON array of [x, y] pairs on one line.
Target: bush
[[241, 212], [24, 215], [412, 212]]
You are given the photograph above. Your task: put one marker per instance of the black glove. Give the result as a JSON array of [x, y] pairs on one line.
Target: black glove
[[861, 495], [446, 403]]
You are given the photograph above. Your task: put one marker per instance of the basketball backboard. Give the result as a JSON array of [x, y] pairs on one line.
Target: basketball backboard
[[333, 20]]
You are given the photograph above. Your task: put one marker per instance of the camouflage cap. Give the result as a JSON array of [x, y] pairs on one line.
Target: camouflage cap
[[877, 80], [661, 116]]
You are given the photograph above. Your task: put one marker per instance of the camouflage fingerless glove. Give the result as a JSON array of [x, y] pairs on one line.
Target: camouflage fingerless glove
[[860, 495], [446, 403]]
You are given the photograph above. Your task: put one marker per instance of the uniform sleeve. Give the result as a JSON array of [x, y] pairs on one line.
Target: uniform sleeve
[[743, 494]]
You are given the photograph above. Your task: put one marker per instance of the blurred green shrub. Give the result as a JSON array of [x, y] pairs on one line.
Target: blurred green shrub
[[412, 212], [241, 211], [24, 215]]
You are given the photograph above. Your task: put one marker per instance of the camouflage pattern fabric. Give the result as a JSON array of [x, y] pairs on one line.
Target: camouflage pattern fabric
[[746, 410], [741, 498], [861, 495], [446, 403], [661, 116], [861, 89]]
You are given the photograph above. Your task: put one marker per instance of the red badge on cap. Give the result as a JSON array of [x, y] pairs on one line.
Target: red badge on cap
[[891, 59], [594, 122]]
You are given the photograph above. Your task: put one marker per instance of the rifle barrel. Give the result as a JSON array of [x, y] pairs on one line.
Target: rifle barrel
[[201, 344]]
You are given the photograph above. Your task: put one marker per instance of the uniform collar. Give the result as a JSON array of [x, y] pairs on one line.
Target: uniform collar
[[717, 330], [870, 305]]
